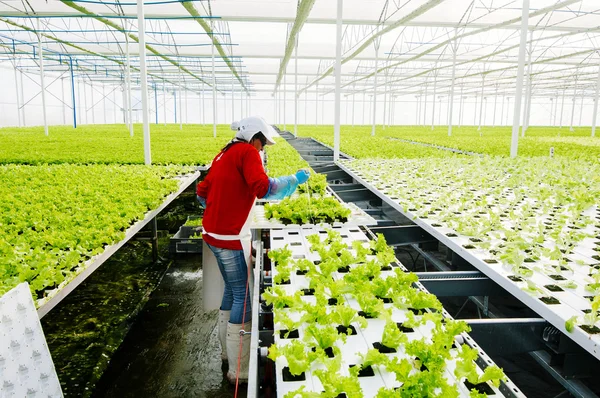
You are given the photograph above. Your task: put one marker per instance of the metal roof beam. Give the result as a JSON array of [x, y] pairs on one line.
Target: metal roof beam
[[302, 13]]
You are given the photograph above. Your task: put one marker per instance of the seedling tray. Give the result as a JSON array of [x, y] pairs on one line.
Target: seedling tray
[[182, 242]]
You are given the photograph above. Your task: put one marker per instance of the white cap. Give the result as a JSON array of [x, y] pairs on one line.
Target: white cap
[[248, 127]]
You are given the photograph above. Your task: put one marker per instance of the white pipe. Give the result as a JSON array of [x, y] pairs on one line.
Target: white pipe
[[475, 113], [103, 102], [22, 99], [17, 96], [353, 110], [528, 90], [93, 104], [214, 80], [296, 90], [376, 43], [495, 103], [451, 99], [433, 101], [425, 102], [284, 100], [551, 110], [164, 105], [317, 105], [144, 81], [519, 90], [43, 83], [562, 108], [338, 77], [507, 109], [581, 107], [574, 101], [128, 106], [502, 112], [232, 101], [181, 84], [481, 105], [595, 110], [115, 106]]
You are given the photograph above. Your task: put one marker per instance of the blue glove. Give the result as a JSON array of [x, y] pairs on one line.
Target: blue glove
[[281, 187], [302, 176], [202, 201]]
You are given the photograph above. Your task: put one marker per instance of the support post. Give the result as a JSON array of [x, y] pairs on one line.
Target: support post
[[451, 99], [73, 94], [433, 100], [128, 106], [519, 90], [296, 90], [17, 96], [376, 43], [164, 105], [93, 104], [180, 98], [385, 100], [214, 80], [43, 83], [595, 108], [144, 81], [562, 108], [574, 101], [481, 104], [528, 90], [232, 100], [317, 105], [502, 112], [155, 105], [284, 101], [338, 77], [104, 102], [353, 110], [424, 101], [22, 100], [364, 104], [495, 103], [551, 110]]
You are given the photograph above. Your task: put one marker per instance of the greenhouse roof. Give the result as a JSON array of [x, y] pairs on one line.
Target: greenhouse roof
[[254, 43]]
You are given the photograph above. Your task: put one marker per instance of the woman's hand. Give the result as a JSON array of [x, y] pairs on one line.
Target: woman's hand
[[302, 176]]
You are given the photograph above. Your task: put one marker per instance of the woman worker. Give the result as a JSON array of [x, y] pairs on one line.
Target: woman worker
[[228, 193]]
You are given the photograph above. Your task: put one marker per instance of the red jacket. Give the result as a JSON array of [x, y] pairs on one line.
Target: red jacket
[[236, 178]]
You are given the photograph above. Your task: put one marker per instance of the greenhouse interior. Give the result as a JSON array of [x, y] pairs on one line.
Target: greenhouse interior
[[299, 198]]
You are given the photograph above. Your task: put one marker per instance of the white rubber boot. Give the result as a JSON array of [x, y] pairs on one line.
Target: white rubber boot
[[234, 353], [223, 320]]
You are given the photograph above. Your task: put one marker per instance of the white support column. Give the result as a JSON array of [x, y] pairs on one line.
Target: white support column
[[179, 97], [440, 111], [451, 99], [595, 108], [353, 110], [507, 110], [475, 110], [62, 90], [364, 105], [495, 103], [485, 110], [574, 101], [376, 44], [418, 113], [296, 89], [17, 96], [581, 107], [284, 101], [128, 105], [317, 105], [43, 83], [520, 70], [144, 81], [115, 106], [241, 104], [551, 110], [502, 112], [528, 90], [385, 99], [481, 104], [203, 106], [103, 102], [338, 78], [214, 80], [461, 110], [433, 100], [232, 100], [562, 108], [164, 105], [424, 101], [22, 99], [93, 104]]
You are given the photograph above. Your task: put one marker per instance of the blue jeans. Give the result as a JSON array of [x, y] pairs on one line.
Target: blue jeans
[[234, 270]]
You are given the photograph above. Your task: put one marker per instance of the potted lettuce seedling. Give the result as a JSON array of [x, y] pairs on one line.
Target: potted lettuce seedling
[[344, 316]]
